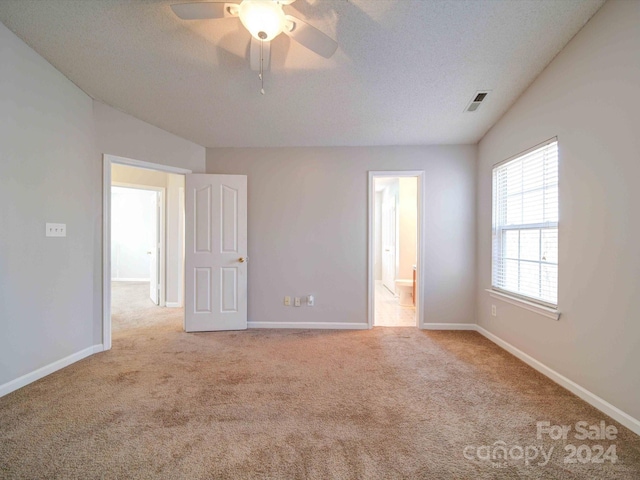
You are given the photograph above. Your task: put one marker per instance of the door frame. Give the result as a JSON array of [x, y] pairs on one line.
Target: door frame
[[107, 162], [160, 209], [420, 243]]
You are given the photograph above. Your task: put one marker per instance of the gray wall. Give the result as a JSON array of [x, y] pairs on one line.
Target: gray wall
[[589, 97], [122, 135], [49, 172], [308, 228], [52, 137]]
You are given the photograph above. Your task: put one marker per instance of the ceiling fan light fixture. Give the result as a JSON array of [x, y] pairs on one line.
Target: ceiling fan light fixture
[[264, 19]]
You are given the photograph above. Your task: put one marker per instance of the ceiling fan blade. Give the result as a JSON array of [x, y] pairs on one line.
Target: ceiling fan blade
[[255, 56], [202, 10], [311, 37]]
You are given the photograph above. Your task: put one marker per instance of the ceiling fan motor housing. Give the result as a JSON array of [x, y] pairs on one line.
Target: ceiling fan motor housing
[[264, 19]]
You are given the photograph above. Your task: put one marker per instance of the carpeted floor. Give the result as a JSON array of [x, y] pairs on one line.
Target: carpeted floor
[[385, 403]]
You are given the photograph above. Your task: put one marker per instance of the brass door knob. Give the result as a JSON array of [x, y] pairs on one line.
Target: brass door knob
[[242, 259]]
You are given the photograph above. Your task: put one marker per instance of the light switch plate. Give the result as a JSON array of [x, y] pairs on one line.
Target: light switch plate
[[56, 230]]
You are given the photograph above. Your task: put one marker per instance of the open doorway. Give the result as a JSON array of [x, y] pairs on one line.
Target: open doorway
[[137, 245], [138, 248], [395, 234], [144, 232]]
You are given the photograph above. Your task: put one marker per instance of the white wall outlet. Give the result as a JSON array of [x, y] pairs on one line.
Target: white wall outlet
[[310, 300], [296, 301], [493, 311], [287, 301], [56, 230]]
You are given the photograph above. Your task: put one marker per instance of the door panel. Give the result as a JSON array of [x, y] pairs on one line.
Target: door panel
[[229, 289], [229, 215], [216, 252], [202, 290], [202, 225]]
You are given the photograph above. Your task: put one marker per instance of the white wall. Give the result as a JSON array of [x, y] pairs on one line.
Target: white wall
[[308, 228], [589, 97], [49, 172], [133, 230]]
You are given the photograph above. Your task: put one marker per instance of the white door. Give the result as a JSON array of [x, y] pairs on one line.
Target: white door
[[388, 234], [154, 250], [215, 252]]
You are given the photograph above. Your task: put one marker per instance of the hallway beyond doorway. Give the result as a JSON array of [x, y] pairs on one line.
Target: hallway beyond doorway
[[131, 308]]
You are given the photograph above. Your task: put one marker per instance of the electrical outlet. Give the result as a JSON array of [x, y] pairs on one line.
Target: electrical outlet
[[493, 311], [310, 300], [287, 301], [296, 301]]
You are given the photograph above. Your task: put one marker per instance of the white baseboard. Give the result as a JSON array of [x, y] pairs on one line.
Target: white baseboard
[[449, 326], [47, 370], [310, 325], [130, 280], [625, 419], [173, 304]]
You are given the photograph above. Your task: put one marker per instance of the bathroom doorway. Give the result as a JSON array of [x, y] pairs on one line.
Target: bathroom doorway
[[394, 249]]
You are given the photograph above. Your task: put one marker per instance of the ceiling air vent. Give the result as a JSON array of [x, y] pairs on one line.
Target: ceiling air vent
[[477, 100]]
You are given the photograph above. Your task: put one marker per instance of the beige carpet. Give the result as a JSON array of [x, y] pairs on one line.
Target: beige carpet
[[386, 403]]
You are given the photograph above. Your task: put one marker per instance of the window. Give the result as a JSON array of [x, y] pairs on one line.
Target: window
[[525, 225]]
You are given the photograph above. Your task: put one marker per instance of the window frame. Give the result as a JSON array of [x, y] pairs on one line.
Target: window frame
[[498, 231]]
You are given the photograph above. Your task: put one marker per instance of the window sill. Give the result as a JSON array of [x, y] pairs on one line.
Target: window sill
[[519, 302]]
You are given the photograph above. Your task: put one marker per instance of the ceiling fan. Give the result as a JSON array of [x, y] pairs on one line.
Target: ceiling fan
[[265, 20]]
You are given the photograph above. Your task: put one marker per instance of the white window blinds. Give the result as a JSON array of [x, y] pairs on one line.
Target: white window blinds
[[525, 225]]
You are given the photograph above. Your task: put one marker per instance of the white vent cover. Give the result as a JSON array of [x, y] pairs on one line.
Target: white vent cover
[[477, 99]]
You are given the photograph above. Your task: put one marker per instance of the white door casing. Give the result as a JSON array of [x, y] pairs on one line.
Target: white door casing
[[215, 252], [154, 251]]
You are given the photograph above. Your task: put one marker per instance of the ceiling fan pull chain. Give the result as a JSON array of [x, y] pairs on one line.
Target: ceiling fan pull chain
[[261, 68]]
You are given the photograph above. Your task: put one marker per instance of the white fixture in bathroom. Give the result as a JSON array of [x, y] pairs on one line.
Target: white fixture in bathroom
[[404, 288]]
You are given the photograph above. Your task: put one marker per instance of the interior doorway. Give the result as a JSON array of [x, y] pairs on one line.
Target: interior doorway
[[138, 238], [395, 240], [143, 238]]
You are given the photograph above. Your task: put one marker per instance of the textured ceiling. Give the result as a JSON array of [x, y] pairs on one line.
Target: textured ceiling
[[403, 74]]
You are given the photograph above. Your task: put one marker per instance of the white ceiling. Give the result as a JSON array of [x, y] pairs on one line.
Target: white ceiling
[[403, 74]]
